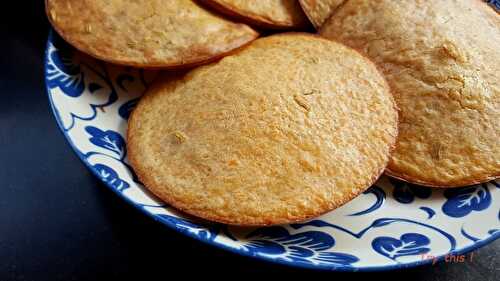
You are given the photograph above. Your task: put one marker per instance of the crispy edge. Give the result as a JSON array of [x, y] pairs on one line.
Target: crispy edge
[[306, 10], [252, 19], [452, 184], [313, 19]]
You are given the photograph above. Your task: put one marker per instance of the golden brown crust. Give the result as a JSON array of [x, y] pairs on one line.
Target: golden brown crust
[[153, 35], [443, 70], [287, 129], [410, 179], [266, 14], [318, 11]]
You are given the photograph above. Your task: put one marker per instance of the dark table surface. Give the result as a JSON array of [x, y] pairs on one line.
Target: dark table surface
[[58, 222]]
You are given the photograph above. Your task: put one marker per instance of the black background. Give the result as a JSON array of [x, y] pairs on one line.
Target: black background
[[58, 222]]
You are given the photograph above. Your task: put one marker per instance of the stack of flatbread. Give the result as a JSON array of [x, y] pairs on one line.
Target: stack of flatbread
[[291, 125]]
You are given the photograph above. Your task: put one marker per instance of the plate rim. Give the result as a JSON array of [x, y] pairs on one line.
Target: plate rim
[[340, 268]]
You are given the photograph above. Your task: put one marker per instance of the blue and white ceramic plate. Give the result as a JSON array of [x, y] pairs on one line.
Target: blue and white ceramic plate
[[392, 225]]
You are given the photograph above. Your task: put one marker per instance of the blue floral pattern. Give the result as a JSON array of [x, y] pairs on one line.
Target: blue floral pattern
[[126, 109], [407, 244], [204, 232], [495, 4], [110, 177], [109, 140], [462, 201], [66, 74], [381, 223], [430, 212], [92, 102], [406, 192], [380, 198], [495, 184], [63, 73], [301, 247]]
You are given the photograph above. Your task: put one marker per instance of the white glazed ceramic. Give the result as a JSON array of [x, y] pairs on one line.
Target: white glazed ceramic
[[392, 225]]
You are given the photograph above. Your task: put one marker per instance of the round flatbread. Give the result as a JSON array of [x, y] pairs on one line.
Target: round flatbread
[[274, 14], [442, 61], [318, 11], [289, 128], [153, 33]]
